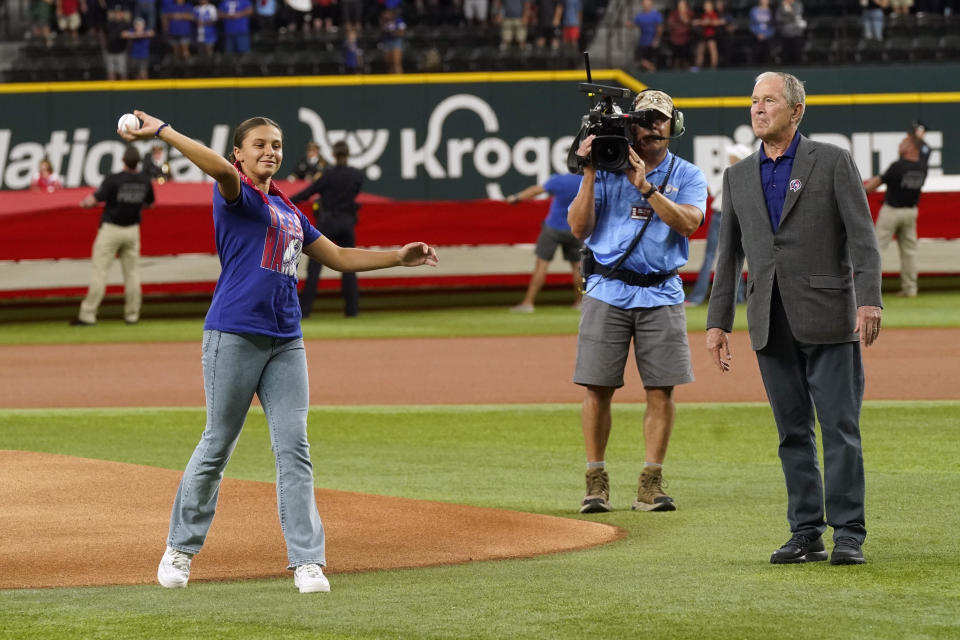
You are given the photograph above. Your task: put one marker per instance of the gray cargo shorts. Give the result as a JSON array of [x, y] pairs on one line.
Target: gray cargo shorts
[[660, 345]]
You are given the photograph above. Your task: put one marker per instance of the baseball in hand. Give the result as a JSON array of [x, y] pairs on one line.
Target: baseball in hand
[[128, 122]]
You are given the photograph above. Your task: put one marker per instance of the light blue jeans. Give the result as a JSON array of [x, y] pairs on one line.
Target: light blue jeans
[[873, 24], [235, 366]]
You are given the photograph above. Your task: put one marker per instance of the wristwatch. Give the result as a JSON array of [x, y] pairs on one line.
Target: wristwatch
[[649, 193]]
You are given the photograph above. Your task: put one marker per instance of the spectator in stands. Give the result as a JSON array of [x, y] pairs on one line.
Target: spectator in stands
[[177, 18], [790, 29], [311, 165], [477, 12], [572, 20], [352, 53], [873, 18], [265, 18], [336, 218], [324, 13], [146, 9], [761, 26], [125, 194], [205, 15], [68, 17], [898, 215], [155, 165], [351, 14], [901, 7], [235, 16], [549, 19], [40, 13], [119, 19], [649, 22], [139, 38], [45, 180], [708, 22], [726, 29], [392, 31], [554, 233], [296, 15], [680, 35], [94, 16], [512, 15]]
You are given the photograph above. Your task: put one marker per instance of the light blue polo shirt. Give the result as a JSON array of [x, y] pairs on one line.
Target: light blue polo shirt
[[660, 250]]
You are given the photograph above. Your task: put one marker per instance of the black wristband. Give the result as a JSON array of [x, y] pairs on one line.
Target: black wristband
[[649, 193]]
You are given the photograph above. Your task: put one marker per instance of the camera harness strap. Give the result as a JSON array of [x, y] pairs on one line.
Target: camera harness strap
[[590, 265]]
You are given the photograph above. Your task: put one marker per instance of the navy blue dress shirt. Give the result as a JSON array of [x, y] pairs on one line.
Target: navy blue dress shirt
[[774, 177]]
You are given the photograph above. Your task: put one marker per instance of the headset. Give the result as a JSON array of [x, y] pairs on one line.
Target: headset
[[676, 120]]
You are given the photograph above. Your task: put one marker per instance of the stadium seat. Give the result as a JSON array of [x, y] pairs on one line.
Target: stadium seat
[[900, 26], [816, 51], [843, 49], [931, 24], [897, 49], [869, 50], [821, 27], [924, 48], [949, 47]]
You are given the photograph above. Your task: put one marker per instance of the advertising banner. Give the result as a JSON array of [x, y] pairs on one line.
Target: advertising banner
[[427, 137]]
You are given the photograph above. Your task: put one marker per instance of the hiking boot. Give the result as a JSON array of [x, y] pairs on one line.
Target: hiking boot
[[309, 578], [597, 499], [799, 548], [846, 551], [650, 495], [174, 569]]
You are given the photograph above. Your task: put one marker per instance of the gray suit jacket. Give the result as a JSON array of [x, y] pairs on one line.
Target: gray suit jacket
[[824, 254]]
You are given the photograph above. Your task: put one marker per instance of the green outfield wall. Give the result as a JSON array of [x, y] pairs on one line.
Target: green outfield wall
[[461, 136]]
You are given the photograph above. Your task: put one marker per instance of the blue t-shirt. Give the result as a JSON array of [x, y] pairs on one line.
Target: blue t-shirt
[[232, 25], [761, 22], [647, 22], [206, 15], [571, 13], [660, 250], [178, 27], [563, 187], [259, 246], [140, 47]]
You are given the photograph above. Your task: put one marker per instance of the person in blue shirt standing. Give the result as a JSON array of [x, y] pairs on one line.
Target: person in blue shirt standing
[[253, 344], [235, 15], [637, 295], [205, 15], [763, 29], [650, 23], [555, 232]]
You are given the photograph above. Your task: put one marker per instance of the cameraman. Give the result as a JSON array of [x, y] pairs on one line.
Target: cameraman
[[665, 196]]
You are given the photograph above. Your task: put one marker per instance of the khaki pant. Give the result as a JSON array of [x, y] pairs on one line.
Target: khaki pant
[[902, 222], [114, 242]]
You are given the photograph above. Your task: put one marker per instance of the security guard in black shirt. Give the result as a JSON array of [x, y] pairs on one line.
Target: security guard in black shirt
[[338, 188]]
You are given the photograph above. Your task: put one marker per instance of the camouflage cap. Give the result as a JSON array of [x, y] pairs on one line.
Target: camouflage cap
[[656, 100]]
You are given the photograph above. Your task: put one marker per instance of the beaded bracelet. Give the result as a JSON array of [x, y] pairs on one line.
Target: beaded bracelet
[[160, 128]]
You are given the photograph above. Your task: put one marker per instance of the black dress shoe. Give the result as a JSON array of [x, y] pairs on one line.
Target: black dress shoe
[[846, 551], [800, 548]]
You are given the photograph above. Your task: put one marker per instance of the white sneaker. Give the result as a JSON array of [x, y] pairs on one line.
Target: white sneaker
[[174, 569], [309, 578], [522, 308]]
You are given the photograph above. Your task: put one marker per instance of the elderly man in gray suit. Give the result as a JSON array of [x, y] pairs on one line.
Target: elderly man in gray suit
[[796, 211]]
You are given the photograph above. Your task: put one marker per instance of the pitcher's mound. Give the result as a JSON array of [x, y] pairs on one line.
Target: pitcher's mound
[[75, 521]]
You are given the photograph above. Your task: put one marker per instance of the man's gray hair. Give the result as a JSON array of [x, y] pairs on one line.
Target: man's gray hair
[[793, 90]]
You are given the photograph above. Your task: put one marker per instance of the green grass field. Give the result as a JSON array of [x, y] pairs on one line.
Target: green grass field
[[700, 572]]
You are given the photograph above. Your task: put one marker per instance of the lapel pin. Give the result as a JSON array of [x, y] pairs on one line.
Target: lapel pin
[[795, 185]]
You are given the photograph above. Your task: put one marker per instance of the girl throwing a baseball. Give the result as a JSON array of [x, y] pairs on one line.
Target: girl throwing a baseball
[[252, 342]]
